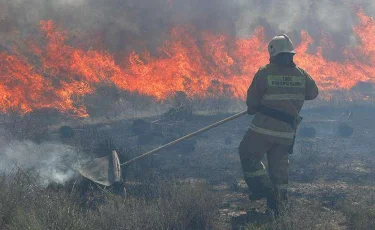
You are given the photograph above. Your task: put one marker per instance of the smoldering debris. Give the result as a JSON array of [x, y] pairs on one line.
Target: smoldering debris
[[52, 162]]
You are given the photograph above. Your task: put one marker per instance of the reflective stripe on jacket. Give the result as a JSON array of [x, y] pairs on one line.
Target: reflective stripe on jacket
[[281, 88]]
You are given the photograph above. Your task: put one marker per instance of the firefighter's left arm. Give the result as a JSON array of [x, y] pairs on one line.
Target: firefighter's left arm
[[255, 93], [312, 90]]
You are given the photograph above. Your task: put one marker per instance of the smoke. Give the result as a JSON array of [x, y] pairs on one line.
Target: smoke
[[321, 17], [119, 23], [292, 15], [53, 162]]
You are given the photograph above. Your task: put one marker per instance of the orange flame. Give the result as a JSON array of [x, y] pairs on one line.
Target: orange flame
[[358, 66], [202, 64]]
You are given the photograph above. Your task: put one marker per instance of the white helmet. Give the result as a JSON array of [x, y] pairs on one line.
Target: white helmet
[[280, 44]]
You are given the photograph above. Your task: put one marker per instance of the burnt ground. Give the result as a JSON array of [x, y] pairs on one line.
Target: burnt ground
[[331, 176]]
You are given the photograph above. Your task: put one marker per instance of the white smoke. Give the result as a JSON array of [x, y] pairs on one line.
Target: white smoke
[[53, 162]]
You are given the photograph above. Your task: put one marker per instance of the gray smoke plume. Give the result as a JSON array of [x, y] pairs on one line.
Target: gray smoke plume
[[335, 17], [123, 24], [53, 162]]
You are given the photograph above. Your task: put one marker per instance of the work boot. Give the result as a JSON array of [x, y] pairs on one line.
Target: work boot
[[260, 187], [283, 196], [277, 202], [273, 206], [257, 196]]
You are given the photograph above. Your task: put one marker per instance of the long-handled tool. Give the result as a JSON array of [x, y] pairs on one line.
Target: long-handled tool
[[107, 170]]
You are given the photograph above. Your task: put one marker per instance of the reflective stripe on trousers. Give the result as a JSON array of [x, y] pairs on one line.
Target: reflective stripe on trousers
[[271, 132], [258, 173], [282, 186], [280, 97]]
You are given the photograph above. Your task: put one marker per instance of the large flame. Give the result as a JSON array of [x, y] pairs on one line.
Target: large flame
[[56, 74]]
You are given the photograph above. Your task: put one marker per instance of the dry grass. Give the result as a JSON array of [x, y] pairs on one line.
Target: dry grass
[[177, 206]]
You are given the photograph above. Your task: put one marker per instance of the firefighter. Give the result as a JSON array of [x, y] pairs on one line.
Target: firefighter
[[275, 97]]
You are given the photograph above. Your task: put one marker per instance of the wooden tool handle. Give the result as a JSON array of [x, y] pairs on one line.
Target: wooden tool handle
[[186, 137]]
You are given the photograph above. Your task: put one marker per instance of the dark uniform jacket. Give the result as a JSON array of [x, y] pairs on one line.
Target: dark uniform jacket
[[284, 88]]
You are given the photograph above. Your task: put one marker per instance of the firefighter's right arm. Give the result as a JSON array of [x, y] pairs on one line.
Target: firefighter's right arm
[[255, 93], [312, 90]]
